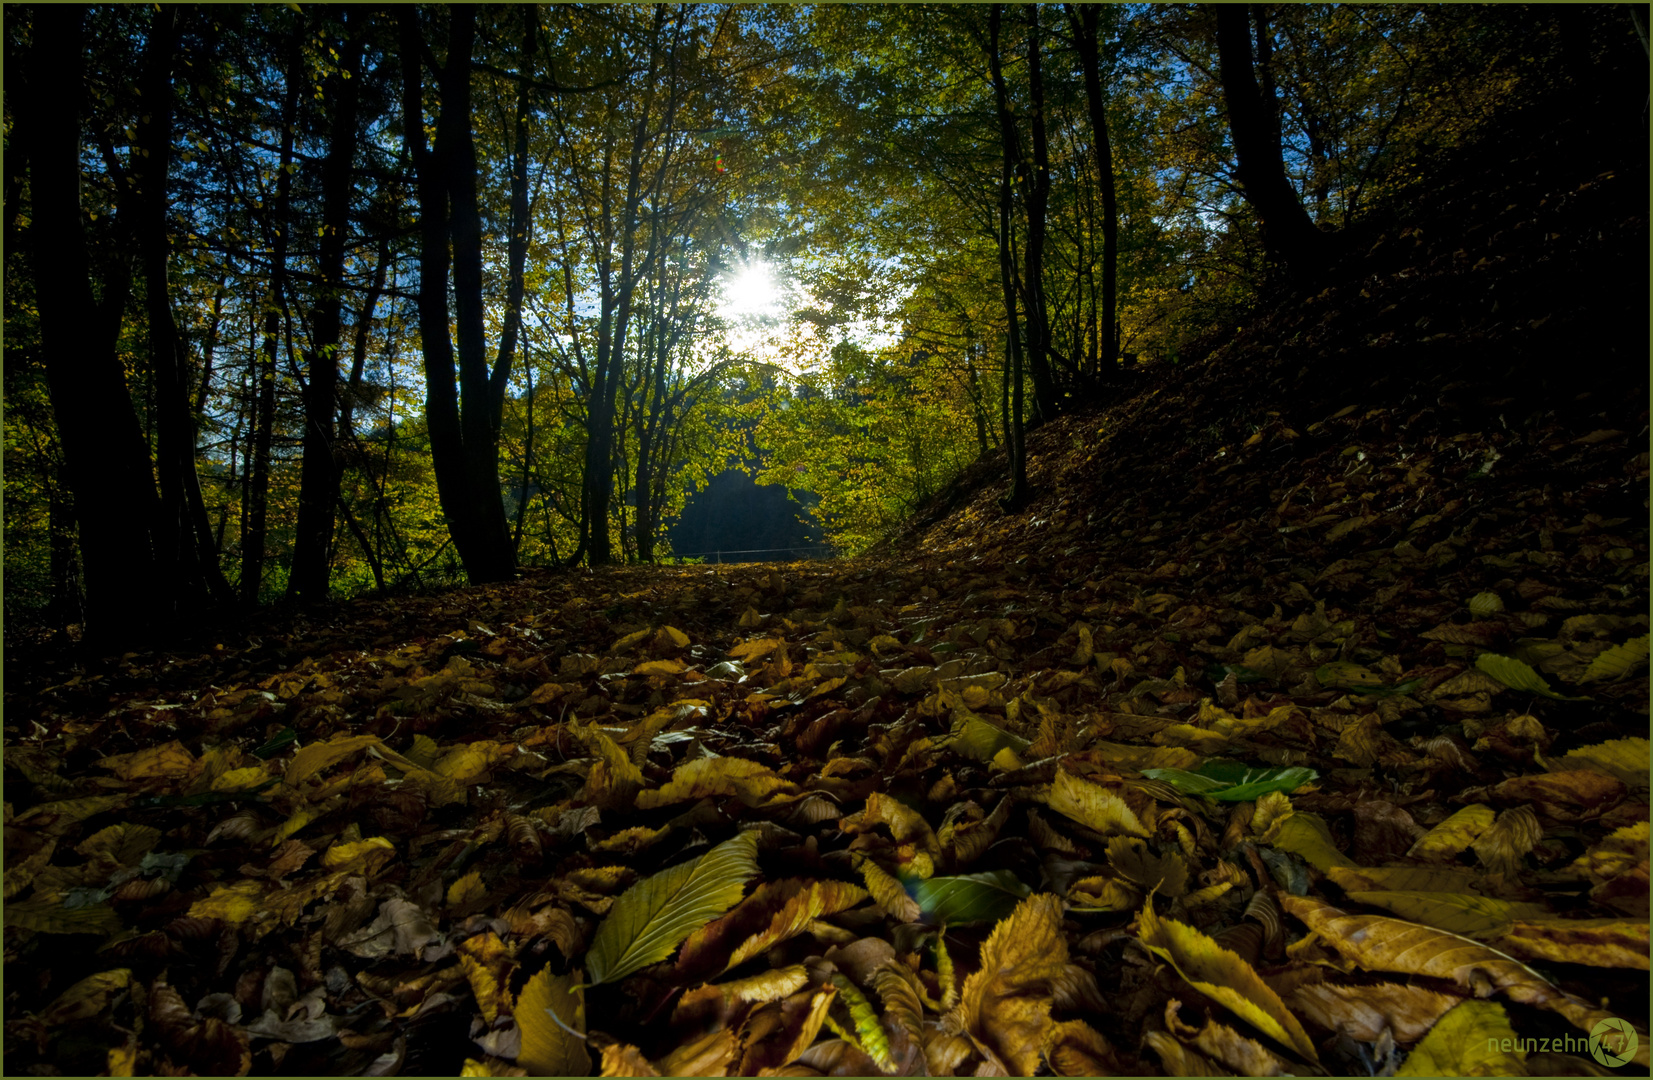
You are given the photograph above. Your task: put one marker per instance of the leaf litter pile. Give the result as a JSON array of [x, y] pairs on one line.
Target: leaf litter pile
[[1294, 729]]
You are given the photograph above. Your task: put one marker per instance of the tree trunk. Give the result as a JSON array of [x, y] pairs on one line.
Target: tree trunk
[[1036, 188], [256, 501], [1289, 236], [105, 459], [1086, 35], [187, 560], [1018, 496], [319, 473], [463, 419]]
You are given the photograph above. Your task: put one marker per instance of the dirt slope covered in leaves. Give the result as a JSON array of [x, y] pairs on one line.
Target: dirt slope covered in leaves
[[1300, 725]]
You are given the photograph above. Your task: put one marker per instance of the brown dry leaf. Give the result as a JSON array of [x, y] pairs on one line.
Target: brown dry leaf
[[1223, 977], [754, 784], [1365, 1012], [623, 1059], [888, 893], [1502, 847], [1219, 1042], [1611, 943], [1074, 1048], [1574, 795], [1377, 943], [1005, 1006]]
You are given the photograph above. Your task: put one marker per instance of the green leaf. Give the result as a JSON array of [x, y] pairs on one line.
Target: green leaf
[[654, 916], [1388, 691], [1617, 662], [1241, 673], [1233, 781], [1517, 675], [970, 898], [273, 747]]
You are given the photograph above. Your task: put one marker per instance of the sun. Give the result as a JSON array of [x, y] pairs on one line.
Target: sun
[[751, 291]]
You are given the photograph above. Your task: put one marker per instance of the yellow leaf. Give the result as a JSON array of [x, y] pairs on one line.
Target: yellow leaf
[[660, 667], [339, 854], [754, 784], [755, 649], [168, 760], [487, 963], [629, 640], [1093, 806], [549, 1049], [1307, 835], [669, 640], [888, 893], [86, 998], [241, 779], [1626, 759], [463, 764], [617, 783], [1446, 840], [466, 889], [1005, 1006], [820, 899], [235, 904], [1224, 977], [318, 756], [1466, 1042]]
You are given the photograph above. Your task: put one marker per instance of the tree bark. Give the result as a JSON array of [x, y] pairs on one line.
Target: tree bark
[[106, 460], [319, 473], [1085, 19], [1035, 175], [185, 553], [1289, 235], [1018, 496], [462, 409]]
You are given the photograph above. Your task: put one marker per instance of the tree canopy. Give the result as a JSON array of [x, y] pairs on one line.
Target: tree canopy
[[312, 300]]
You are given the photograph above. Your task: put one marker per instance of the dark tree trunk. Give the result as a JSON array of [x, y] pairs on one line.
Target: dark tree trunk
[[1289, 236], [278, 226], [1085, 19], [462, 409], [1035, 176], [188, 561], [1018, 496], [319, 473], [105, 459]]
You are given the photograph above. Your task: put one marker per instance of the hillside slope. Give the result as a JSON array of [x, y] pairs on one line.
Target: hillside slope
[[1327, 647]]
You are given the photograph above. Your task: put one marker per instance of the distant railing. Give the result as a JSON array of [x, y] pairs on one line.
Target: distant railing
[[717, 556]]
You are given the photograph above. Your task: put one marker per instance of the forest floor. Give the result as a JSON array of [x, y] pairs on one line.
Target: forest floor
[[1300, 725]]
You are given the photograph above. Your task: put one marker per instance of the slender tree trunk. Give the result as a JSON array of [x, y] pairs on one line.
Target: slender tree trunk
[[1018, 496], [105, 459], [463, 408], [1289, 236], [255, 535], [1036, 186], [319, 474], [184, 545], [1086, 20]]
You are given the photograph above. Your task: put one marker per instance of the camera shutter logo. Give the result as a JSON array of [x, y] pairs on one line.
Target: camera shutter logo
[[1613, 1042]]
